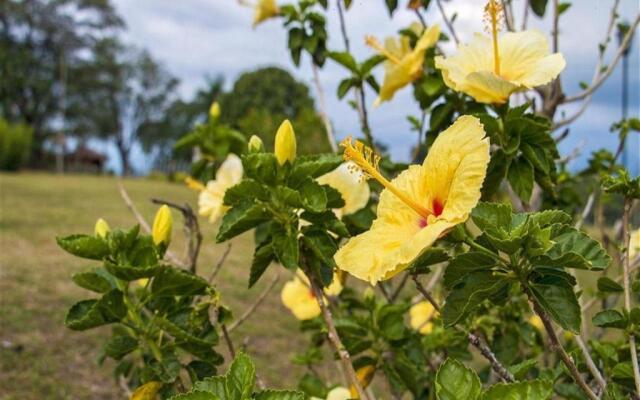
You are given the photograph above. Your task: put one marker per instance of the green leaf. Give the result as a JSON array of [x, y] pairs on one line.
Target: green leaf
[[312, 167], [496, 173], [428, 258], [129, 273], [215, 385], [313, 196], [622, 370], [285, 247], [240, 378], [279, 395], [92, 280], [181, 334], [441, 115], [177, 282], [312, 385], [538, 7], [195, 395], [550, 217], [608, 285], [528, 390], [610, 319], [85, 246], [345, 85], [464, 264], [247, 189], [520, 370], [560, 302], [574, 249], [469, 294], [390, 321], [391, 5], [261, 167], [262, 258], [562, 7], [454, 381], [491, 216], [345, 59], [322, 246], [520, 177], [119, 346], [89, 314], [370, 63], [242, 217]]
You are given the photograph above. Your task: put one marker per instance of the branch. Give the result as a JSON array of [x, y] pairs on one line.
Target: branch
[[323, 109], [447, 22], [255, 305], [220, 263], [191, 228], [590, 363], [600, 78], [628, 203], [474, 340], [586, 211], [334, 338], [557, 347], [143, 224]]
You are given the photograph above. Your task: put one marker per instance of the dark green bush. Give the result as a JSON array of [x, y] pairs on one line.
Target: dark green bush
[[15, 145]]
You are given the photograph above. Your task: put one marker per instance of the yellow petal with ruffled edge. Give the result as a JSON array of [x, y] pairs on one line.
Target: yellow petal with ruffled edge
[[447, 185], [210, 201], [420, 315], [409, 67], [352, 187], [525, 63], [265, 9]]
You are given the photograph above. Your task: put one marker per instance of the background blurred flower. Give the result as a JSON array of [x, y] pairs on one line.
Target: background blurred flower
[[210, 201]]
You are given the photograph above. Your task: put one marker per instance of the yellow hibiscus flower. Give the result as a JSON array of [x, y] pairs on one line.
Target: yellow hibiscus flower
[[489, 69], [419, 205], [420, 316], [210, 201], [298, 297], [263, 10], [403, 65], [352, 187], [337, 393]]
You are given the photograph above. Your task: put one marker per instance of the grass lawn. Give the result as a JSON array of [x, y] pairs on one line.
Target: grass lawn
[[39, 357]]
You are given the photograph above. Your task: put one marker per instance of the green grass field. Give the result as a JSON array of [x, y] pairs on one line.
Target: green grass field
[[39, 357]]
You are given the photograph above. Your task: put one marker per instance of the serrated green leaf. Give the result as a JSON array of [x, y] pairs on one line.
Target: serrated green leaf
[[285, 247], [390, 321], [469, 294], [560, 302], [261, 167], [496, 173], [89, 314], [242, 217], [528, 390], [454, 381], [465, 264], [427, 258], [247, 189], [313, 196], [119, 346], [608, 285], [214, 385], [240, 378], [130, 273], [521, 177], [312, 167], [574, 249], [262, 258], [85, 246], [610, 319], [177, 282], [93, 281], [279, 395]]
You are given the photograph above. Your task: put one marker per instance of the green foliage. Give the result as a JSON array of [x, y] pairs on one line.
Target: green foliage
[[15, 145]]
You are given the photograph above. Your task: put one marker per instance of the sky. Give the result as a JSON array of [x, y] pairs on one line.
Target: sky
[[196, 39]]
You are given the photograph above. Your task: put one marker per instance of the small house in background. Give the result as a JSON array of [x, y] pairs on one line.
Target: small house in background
[[83, 159]]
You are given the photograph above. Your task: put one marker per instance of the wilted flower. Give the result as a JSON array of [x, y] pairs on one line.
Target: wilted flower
[[101, 228], [162, 225], [419, 205], [285, 143], [211, 199], [404, 64], [298, 297], [420, 316], [489, 69]]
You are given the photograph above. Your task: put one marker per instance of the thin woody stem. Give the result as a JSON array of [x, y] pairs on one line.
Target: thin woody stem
[[334, 338], [557, 347], [473, 339], [626, 241]]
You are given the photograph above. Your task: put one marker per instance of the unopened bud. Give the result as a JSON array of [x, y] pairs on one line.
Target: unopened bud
[[365, 376], [255, 145], [162, 225], [102, 228], [214, 110], [285, 146]]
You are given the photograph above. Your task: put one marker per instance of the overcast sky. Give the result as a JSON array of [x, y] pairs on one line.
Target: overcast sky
[[200, 38]]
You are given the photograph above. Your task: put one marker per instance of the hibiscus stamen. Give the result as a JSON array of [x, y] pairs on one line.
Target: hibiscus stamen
[[374, 44], [493, 17], [367, 161]]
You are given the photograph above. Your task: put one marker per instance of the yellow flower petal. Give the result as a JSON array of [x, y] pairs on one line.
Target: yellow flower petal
[[264, 10], [409, 68], [162, 226], [210, 201], [634, 245], [297, 296], [524, 63], [537, 323], [101, 228], [339, 393], [447, 186], [352, 187], [420, 315], [148, 391], [285, 143]]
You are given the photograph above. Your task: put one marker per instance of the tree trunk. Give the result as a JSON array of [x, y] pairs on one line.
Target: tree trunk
[[123, 151]]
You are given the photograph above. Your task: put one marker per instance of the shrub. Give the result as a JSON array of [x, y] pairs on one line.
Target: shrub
[[15, 145]]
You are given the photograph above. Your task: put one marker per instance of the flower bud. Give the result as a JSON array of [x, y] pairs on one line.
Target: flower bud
[[102, 228], [537, 323], [162, 225], [255, 144], [214, 110], [365, 376], [285, 146]]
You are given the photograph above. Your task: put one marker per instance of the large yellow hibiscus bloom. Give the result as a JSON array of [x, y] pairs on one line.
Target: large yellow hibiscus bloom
[[489, 69], [403, 65], [419, 205]]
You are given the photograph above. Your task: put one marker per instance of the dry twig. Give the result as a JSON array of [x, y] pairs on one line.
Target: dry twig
[[255, 305]]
